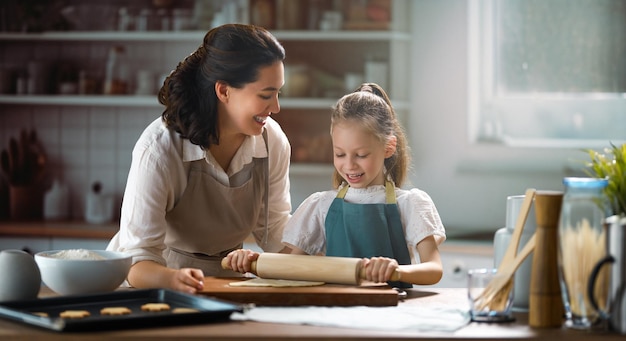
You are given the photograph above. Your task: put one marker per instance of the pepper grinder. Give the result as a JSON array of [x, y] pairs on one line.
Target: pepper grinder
[[545, 302]]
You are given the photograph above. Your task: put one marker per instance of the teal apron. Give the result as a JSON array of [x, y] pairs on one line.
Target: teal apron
[[367, 230]]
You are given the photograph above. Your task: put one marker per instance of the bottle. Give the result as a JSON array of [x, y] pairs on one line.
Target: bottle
[[501, 241], [582, 244], [145, 20], [115, 76], [545, 305], [376, 71], [263, 13], [56, 202], [99, 206], [124, 19]]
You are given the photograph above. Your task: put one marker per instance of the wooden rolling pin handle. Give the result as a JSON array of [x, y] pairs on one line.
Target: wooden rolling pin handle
[[394, 277]]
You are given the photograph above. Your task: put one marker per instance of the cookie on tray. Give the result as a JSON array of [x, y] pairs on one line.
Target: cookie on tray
[[74, 314], [155, 307], [115, 311], [184, 310]]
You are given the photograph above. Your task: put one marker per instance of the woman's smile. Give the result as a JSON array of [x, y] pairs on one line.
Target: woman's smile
[[261, 119]]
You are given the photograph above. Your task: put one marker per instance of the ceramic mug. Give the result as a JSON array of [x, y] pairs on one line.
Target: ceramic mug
[[20, 279]]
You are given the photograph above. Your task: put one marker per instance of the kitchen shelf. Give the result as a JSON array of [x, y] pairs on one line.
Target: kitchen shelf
[[151, 101], [331, 54], [90, 100], [65, 229], [197, 36]]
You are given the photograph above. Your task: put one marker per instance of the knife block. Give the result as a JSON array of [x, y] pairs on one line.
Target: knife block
[[25, 202]]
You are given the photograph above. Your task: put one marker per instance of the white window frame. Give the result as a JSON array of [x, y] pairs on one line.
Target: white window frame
[[591, 120]]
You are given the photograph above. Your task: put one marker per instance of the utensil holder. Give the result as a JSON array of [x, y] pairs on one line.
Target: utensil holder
[[25, 202]]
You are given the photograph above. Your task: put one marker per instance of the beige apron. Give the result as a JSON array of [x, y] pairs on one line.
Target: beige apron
[[211, 219]]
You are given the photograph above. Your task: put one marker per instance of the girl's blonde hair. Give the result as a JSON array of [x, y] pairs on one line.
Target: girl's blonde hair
[[370, 107]]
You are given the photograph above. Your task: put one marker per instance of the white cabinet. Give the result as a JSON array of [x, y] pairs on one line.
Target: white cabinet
[[32, 245], [329, 56], [78, 243], [37, 244], [457, 257]]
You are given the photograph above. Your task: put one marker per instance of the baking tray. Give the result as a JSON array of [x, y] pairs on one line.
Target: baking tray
[[208, 310]]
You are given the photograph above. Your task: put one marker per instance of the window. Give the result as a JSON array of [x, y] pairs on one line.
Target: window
[[548, 73]]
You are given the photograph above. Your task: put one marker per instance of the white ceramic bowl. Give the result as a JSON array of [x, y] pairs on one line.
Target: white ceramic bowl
[[76, 275]]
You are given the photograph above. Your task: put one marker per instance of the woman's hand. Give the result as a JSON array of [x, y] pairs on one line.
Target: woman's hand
[[149, 274], [241, 260], [187, 280], [379, 269]]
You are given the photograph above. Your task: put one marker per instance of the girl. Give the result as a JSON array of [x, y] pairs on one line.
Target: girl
[[213, 168], [367, 216]]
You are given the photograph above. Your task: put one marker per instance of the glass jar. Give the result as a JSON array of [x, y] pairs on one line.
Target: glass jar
[[581, 245], [116, 72]]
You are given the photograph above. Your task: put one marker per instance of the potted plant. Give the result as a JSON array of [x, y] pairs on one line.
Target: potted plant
[[612, 166]]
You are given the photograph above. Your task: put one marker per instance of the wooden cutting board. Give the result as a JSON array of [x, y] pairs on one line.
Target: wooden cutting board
[[368, 294]]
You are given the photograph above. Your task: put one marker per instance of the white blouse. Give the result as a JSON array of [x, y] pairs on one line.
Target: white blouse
[[306, 231], [158, 178]]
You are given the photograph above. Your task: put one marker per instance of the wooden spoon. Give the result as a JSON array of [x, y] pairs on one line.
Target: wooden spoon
[[511, 251]]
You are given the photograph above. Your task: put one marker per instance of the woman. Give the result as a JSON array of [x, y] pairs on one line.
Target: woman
[[213, 168]]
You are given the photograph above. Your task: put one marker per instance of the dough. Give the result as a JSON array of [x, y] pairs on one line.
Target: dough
[[265, 282]]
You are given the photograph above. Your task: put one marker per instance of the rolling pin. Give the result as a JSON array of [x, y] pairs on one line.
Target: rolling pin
[[338, 270]]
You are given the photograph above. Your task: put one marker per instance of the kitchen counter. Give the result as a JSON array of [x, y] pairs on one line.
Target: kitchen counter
[[236, 330], [82, 229]]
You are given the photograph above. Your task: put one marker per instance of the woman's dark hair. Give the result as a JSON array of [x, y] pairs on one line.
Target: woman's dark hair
[[232, 53]]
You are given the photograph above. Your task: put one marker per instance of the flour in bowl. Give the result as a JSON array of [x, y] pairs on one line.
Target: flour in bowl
[[77, 254]]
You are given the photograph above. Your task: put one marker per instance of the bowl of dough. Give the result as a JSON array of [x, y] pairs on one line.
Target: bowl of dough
[[82, 271]]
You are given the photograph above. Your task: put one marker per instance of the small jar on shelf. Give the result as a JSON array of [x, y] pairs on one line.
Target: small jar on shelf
[[115, 77]]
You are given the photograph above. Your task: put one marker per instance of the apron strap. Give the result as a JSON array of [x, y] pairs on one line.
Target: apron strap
[[390, 192], [267, 188], [342, 192]]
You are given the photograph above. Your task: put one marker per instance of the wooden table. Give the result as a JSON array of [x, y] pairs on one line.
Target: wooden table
[[235, 330]]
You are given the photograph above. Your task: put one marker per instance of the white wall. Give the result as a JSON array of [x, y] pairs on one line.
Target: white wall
[[469, 183]]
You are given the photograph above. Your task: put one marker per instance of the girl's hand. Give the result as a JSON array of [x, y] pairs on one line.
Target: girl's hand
[[241, 260], [187, 280], [379, 269]]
